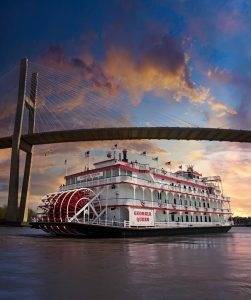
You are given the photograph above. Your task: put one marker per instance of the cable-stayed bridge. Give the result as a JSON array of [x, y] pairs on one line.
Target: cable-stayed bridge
[[80, 105]]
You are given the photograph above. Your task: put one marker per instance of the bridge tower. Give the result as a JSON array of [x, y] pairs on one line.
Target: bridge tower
[[17, 213]]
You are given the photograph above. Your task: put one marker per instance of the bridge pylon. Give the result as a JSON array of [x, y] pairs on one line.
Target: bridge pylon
[[17, 213]]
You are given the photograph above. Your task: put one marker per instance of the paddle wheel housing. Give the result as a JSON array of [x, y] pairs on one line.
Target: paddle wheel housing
[[78, 205]]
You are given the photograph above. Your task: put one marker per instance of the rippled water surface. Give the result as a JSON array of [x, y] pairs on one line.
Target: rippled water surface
[[34, 265]]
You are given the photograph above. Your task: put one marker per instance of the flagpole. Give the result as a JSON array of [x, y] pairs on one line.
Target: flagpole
[[87, 155], [65, 162]]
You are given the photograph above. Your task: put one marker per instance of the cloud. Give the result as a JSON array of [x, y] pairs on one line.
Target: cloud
[[161, 67], [240, 117], [158, 64], [216, 106], [84, 67], [233, 163]]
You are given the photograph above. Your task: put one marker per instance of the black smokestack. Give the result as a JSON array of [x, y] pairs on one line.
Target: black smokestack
[[125, 155]]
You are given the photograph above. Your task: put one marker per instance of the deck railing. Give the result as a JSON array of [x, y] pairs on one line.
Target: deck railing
[[126, 224], [145, 182]]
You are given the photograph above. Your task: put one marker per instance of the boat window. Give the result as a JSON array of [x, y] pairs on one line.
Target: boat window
[[108, 173], [72, 180], [115, 172], [129, 173], [122, 172]]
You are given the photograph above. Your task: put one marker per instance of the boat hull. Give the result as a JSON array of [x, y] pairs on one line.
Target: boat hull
[[89, 230]]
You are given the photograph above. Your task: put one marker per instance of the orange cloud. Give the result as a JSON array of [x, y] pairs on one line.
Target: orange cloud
[[221, 106], [150, 76]]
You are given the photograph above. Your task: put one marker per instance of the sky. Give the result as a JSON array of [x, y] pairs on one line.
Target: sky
[[125, 63]]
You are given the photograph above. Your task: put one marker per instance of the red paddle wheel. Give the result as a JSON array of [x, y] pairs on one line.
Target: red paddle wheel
[[78, 205]]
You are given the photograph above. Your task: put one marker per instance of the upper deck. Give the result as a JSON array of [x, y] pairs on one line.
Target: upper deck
[[114, 171]]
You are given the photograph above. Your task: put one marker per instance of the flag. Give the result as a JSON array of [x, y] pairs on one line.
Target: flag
[[143, 153], [168, 163], [87, 153], [155, 158], [180, 167], [65, 162], [115, 147]]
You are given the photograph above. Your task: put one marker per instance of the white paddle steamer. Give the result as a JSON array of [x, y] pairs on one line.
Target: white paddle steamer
[[121, 198]]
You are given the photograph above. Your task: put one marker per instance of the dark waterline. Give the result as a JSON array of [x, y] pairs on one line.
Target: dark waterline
[[34, 265]]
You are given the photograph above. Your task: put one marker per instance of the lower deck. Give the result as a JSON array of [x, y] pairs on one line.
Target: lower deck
[[114, 230]]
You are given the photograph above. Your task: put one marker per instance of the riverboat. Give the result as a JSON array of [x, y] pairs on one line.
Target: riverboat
[[122, 198]]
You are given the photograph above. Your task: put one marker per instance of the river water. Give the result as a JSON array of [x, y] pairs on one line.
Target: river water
[[34, 265]]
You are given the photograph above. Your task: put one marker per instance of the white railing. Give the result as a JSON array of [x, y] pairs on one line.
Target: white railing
[[126, 224], [145, 182], [191, 224], [156, 205]]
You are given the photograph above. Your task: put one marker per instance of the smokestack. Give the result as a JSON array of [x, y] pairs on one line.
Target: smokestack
[[125, 155]]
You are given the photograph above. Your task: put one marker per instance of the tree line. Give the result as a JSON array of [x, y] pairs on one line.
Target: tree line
[[31, 213]]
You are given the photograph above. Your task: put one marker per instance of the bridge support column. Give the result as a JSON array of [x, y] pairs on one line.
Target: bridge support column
[[13, 214], [23, 208], [12, 208]]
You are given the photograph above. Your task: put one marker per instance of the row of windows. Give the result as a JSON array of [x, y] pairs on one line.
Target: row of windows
[[115, 172], [191, 203], [191, 219], [106, 174]]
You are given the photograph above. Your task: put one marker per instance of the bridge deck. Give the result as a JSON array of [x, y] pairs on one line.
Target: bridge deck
[[133, 133]]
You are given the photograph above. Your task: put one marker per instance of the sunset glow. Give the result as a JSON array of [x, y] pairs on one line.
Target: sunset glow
[[152, 63]]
